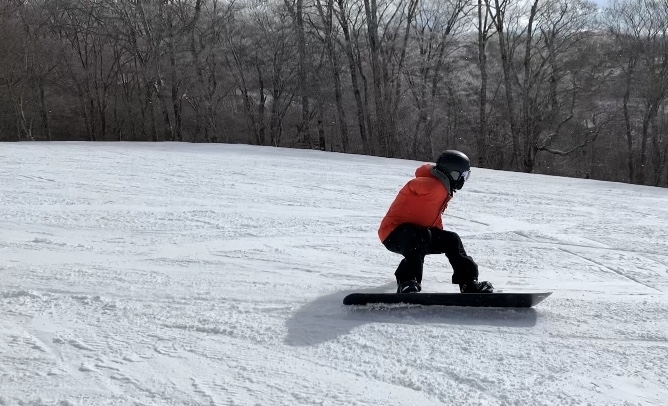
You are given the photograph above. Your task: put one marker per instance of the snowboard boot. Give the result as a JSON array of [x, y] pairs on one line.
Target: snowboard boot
[[411, 286], [476, 287]]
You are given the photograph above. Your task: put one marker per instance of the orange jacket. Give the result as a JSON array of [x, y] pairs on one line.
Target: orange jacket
[[421, 201]]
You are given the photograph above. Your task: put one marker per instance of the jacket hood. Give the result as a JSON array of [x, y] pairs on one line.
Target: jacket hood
[[442, 177], [429, 171]]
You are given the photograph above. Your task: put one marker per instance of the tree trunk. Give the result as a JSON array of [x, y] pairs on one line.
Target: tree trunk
[[530, 133], [381, 125], [44, 111], [275, 125], [507, 81], [396, 81], [321, 128], [303, 129], [261, 109], [361, 112], [327, 18], [482, 65], [175, 93]]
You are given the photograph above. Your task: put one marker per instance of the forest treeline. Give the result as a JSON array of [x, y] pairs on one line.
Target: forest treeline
[[548, 86]]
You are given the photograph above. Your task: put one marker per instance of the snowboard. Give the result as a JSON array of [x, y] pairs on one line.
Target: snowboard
[[449, 299]]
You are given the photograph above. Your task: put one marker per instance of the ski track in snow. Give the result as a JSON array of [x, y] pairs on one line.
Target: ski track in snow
[[178, 274]]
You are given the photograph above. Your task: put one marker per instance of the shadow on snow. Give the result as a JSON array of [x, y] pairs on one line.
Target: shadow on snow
[[326, 318]]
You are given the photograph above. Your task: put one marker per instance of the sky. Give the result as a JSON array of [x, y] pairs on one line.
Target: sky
[[192, 274]]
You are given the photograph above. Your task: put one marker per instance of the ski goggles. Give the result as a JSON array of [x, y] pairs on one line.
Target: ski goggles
[[460, 176]]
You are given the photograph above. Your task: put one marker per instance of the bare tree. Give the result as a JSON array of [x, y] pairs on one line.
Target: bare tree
[[146, 28], [296, 10], [13, 56], [356, 77], [238, 62], [640, 29], [541, 94], [498, 10], [388, 31], [204, 94], [326, 14], [531, 86], [262, 62], [29, 58], [484, 26], [434, 30]]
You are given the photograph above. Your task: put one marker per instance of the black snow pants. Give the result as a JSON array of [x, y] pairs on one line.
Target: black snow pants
[[415, 242]]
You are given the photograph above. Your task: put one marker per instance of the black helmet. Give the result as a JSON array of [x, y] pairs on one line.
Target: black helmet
[[456, 166]]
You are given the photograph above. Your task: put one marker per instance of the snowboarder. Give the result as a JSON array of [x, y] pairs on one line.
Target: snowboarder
[[413, 227]]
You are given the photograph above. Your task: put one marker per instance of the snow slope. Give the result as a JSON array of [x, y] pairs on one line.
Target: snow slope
[[178, 274]]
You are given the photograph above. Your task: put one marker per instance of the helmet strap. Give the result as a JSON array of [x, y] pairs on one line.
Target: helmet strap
[[453, 184]]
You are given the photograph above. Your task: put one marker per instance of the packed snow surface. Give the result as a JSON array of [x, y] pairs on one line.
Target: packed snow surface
[[179, 274]]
